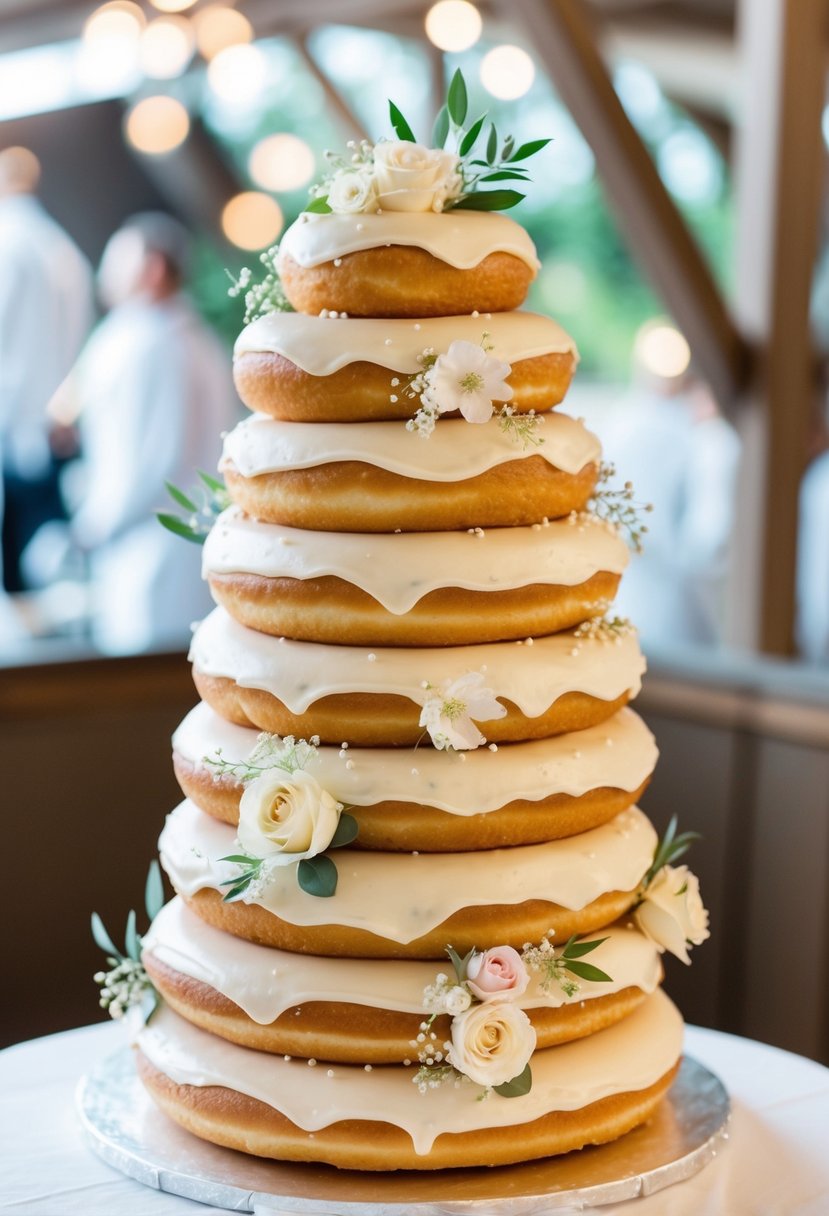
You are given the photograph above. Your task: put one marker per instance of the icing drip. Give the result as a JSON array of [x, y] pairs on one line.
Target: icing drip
[[321, 345], [531, 677], [460, 238], [399, 570], [401, 896], [454, 451], [626, 1057], [618, 754], [265, 982]]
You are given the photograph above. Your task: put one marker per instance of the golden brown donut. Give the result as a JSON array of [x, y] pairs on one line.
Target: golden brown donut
[[359, 392], [357, 1034], [377, 720], [509, 924], [232, 1119], [403, 281], [329, 609], [410, 826], [350, 496]]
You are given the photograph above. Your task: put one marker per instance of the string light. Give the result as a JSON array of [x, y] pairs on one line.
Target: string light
[[252, 220], [507, 72], [662, 350], [119, 21], [166, 47], [237, 74], [218, 27], [157, 125], [172, 6], [281, 162], [453, 25]]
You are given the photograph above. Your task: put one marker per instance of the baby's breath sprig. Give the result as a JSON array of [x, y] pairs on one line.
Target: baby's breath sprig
[[669, 848], [619, 507], [203, 506], [605, 629], [560, 966], [126, 984], [270, 751], [522, 428], [260, 298]]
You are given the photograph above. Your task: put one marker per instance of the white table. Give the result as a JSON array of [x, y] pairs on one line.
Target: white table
[[776, 1162]]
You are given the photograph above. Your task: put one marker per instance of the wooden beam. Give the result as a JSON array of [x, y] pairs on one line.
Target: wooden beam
[[779, 162], [565, 43], [352, 124]]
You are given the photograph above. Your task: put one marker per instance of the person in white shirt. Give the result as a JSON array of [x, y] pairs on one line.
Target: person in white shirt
[[155, 393], [46, 312]]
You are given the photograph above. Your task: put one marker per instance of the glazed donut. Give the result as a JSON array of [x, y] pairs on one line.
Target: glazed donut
[[404, 264], [377, 477], [317, 369], [437, 802]]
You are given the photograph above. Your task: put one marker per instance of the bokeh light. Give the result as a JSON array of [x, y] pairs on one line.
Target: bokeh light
[[281, 162], [453, 25], [252, 220], [237, 74], [166, 47], [109, 52], [662, 350], [172, 6], [120, 21], [157, 125], [507, 72], [218, 27]]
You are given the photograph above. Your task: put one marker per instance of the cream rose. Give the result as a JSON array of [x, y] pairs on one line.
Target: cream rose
[[497, 974], [409, 177], [491, 1043], [351, 192], [286, 816], [671, 913]]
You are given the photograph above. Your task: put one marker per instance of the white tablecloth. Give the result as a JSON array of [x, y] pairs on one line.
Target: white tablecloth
[[775, 1164]]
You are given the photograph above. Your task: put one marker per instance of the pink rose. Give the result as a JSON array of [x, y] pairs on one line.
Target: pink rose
[[496, 973]]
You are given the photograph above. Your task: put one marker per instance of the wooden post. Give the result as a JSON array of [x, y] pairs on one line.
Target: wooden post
[[566, 44], [779, 167]]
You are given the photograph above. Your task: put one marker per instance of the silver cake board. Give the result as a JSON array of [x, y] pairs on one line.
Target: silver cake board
[[126, 1129]]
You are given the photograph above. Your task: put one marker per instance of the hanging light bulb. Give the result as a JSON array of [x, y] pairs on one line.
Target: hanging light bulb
[[157, 125], [252, 220], [219, 27], [172, 6], [453, 25], [237, 74], [166, 47], [281, 162], [507, 72]]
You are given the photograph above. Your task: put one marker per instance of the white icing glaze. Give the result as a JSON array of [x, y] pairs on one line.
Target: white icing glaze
[[401, 896], [454, 451], [629, 1056], [265, 982], [618, 754], [322, 345], [398, 570], [300, 673], [460, 238]]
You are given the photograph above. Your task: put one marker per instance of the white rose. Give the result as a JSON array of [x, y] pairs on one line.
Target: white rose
[[286, 816], [466, 378], [671, 913], [351, 192], [410, 177], [491, 1043]]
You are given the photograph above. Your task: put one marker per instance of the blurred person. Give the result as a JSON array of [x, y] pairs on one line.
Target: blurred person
[[154, 393], [667, 437], [46, 312]]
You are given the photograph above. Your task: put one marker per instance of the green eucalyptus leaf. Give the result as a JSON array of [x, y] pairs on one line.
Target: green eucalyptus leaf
[[504, 175], [401, 127], [586, 971], [319, 206], [237, 889], [179, 527], [490, 200], [317, 876], [492, 145], [241, 859], [509, 144], [149, 1004], [131, 943], [579, 949], [213, 483], [346, 832], [102, 938], [529, 149], [441, 128], [180, 497], [456, 99], [153, 891], [471, 135], [518, 1086]]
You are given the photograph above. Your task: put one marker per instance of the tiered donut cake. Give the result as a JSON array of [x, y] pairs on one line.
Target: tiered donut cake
[[361, 566]]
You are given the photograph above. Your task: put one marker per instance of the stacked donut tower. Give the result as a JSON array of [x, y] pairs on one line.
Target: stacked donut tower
[[409, 863]]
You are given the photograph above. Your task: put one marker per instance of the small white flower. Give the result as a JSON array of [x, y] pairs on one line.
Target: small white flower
[[352, 191], [457, 999], [672, 914], [286, 817], [466, 378], [492, 1043], [448, 714]]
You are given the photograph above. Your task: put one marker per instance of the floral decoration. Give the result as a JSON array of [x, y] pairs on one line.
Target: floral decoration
[[203, 506], [561, 966], [263, 297], [404, 175], [126, 984], [670, 911], [285, 817], [448, 712]]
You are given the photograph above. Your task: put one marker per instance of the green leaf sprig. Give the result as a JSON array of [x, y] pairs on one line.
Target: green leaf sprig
[[559, 966], [127, 983], [315, 875], [619, 507], [203, 506], [669, 849]]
